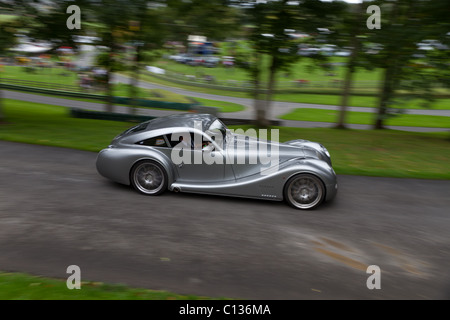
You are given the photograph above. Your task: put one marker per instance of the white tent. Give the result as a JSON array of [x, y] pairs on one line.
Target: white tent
[[30, 48]]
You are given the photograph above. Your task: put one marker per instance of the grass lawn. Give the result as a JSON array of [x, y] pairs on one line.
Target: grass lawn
[[222, 105], [358, 101], [55, 75], [327, 99], [382, 153], [120, 89], [363, 152], [305, 69], [51, 125], [387, 153], [7, 17], [65, 77], [368, 118], [18, 286]]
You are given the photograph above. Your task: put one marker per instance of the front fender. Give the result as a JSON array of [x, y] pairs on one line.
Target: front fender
[[319, 168]]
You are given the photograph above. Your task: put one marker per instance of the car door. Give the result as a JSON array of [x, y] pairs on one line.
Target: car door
[[196, 164], [243, 153]]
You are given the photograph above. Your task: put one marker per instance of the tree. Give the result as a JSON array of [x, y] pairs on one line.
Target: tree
[[348, 33], [404, 24], [269, 38], [49, 23], [107, 19], [146, 37], [112, 26], [215, 19], [120, 22], [7, 40]]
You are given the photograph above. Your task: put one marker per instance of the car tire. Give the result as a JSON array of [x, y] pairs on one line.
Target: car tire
[[304, 191], [148, 177]]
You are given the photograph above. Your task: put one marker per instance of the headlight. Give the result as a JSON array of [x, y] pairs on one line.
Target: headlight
[[326, 151]]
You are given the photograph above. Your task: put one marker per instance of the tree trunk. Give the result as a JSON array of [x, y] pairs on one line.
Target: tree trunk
[[2, 116], [355, 44], [109, 107], [134, 82], [270, 87], [259, 105], [385, 97], [390, 73], [258, 102], [345, 97], [260, 113], [109, 73]]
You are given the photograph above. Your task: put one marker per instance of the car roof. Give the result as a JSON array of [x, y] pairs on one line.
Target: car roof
[[188, 120]]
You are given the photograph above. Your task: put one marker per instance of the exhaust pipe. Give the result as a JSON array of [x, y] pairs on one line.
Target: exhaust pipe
[[176, 189]]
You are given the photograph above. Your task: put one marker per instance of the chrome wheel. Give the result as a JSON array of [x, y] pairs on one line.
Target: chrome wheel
[[304, 191], [149, 178]]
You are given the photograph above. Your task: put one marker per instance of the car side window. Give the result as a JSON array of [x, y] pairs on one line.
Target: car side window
[[158, 141], [183, 138], [194, 140]]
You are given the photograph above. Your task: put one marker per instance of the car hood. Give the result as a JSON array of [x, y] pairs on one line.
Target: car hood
[[288, 150], [311, 149]]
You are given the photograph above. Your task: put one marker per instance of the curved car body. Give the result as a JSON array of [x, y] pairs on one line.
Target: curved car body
[[198, 153]]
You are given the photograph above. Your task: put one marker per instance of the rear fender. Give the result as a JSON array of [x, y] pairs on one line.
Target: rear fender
[[116, 163]]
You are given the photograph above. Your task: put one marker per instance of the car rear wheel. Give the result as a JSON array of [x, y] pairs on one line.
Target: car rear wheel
[[304, 191], [149, 177]]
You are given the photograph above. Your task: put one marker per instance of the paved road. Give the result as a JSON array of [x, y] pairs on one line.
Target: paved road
[[55, 211]]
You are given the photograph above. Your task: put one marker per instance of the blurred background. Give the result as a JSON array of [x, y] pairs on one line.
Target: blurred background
[[373, 86], [299, 51]]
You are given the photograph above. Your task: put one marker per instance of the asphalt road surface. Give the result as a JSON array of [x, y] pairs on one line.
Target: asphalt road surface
[[56, 211]]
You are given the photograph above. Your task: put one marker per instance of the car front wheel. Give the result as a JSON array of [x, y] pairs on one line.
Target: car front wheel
[[148, 177], [304, 191]]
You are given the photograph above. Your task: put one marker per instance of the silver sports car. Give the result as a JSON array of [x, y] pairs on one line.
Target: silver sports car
[[198, 153]]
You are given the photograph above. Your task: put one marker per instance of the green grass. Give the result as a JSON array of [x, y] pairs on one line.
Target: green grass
[[305, 69], [123, 90], [387, 153], [51, 125], [60, 76], [7, 17], [56, 75], [358, 101], [327, 99], [362, 152], [222, 105], [19, 286], [119, 89], [368, 118], [302, 69]]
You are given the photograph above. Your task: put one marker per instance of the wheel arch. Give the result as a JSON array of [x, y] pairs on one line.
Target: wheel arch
[[170, 173]]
